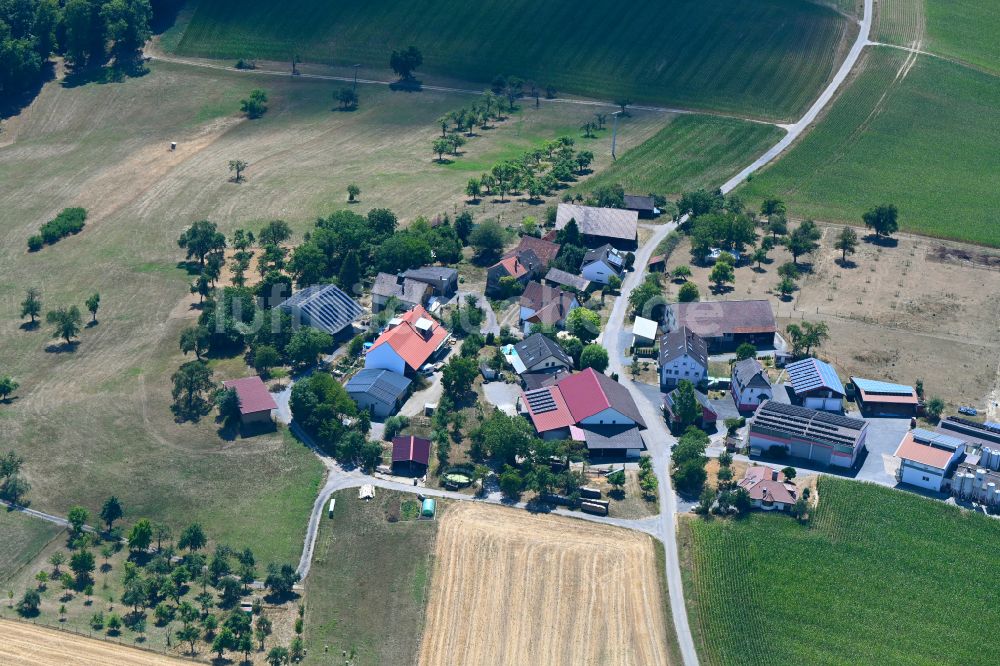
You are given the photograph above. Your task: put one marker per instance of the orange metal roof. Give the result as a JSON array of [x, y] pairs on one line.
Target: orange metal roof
[[923, 454]]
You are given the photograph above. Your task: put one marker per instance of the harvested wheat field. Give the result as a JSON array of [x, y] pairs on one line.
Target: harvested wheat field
[[515, 588], [31, 645]]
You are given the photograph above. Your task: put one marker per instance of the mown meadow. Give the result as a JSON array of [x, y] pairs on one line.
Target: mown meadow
[[764, 59], [880, 576]]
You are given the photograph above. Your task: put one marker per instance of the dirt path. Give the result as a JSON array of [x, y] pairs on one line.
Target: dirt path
[[513, 588], [31, 645]]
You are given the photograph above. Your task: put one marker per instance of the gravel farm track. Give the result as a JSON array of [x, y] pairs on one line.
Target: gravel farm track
[[33, 645], [515, 588]]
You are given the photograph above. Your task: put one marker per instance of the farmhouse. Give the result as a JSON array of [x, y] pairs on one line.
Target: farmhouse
[[683, 355], [545, 305], [410, 455], [876, 398], [558, 278], [644, 332], [601, 225], [581, 406], [528, 261], [443, 281], [825, 438], [750, 384], [768, 488], [409, 293], [256, 402], [815, 385], [324, 307], [644, 205], [725, 325], [706, 420], [927, 458], [540, 354], [378, 390], [600, 264], [408, 342]]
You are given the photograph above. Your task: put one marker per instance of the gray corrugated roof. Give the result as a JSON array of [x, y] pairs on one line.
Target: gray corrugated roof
[[612, 437], [639, 202], [567, 279], [603, 222], [384, 385], [323, 306], [432, 274]]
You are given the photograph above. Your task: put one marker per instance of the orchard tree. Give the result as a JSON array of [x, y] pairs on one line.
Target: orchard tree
[[688, 293], [274, 232], [31, 306], [7, 386], [882, 220], [192, 538], [192, 382], [353, 192], [847, 243], [238, 167], [255, 105], [804, 240], [348, 99], [111, 511], [93, 303], [66, 322], [140, 536], [202, 239], [405, 62], [722, 274], [439, 147], [195, 339]]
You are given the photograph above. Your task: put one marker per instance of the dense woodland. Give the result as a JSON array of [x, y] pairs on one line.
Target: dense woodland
[[87, 33]]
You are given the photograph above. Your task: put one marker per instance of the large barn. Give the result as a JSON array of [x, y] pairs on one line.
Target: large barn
[[725, 325], [877, 398], [828, 439]]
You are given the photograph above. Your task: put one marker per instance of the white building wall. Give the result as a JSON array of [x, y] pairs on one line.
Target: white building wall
[[598, 272], [385, 357], [608, 417], [921, 478]]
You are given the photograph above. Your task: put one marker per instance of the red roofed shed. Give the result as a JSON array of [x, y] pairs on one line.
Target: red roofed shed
[[256, 402], [410, 455]]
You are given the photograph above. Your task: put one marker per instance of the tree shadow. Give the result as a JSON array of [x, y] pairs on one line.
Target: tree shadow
[[758, 270], [846, 263], [721, 289], [881, 241], [30, 325], [407, 85], [442, 160], [193, 414], [13, 104], [190, 267], [92, 323], [62, 347], [617, 493]]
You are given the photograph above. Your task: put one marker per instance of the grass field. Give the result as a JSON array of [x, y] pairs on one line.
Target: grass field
[[95, 421], [692, 152], [367, 590], [964, 30], [923, 138], [766, 58], [880, 576], [510, 587], [21, 539]]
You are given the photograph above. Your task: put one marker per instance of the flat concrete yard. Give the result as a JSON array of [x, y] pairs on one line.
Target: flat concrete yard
[[510, 587], [30, 645]]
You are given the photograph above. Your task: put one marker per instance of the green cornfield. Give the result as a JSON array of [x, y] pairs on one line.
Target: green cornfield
[[880, 576], [767, 58]]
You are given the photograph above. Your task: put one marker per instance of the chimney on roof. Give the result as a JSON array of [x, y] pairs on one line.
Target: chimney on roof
[[774, 475]]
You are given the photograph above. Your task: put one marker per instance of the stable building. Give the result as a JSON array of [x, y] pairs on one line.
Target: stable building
[[725, 325], [877, 398], [815, 385], [410, 455], [644, 205], [927, 458], [822, 437]]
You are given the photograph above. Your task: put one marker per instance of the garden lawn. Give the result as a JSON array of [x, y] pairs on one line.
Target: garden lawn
[[367, 590], [693, 151], [767, 58], [926, 141], [880, 577], [22, 537]]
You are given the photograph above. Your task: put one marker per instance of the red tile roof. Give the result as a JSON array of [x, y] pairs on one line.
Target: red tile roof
[[513, 266], [556, 415], [766, 484], [408, 448], [254, 396], [923, 454], [589, 392], [543, 249], [411, 345]]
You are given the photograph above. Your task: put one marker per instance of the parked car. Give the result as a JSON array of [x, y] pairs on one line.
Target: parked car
[[968, 411]]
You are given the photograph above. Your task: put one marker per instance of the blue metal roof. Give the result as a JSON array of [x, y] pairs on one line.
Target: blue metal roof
[[874, 386], [937, 439], [381, 384], [811, 373]]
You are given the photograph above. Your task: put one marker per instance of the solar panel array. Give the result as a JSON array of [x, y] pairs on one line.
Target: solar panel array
[[936, 439], [805, 422], [883, 388], [541, 401], [811, 373], [324, 307]]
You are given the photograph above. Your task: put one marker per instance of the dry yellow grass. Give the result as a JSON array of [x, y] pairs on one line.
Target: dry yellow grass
[[31, 645], [514, 588]]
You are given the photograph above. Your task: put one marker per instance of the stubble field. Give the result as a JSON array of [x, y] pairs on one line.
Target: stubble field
[[31, 645], [513, 588]]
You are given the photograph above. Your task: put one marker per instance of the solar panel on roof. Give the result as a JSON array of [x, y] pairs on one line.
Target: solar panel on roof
[[540, 401], [935, 438], [875, 386]]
